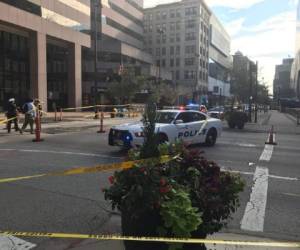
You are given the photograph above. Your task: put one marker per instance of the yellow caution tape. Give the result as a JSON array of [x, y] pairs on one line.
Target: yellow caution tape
[[95, 169], [86, 107], [152, 239], [7, 120]]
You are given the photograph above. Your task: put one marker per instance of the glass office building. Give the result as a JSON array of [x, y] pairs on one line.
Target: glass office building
[[40, 50]]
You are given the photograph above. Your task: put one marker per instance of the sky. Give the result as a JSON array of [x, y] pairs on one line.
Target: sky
[[263, 30]]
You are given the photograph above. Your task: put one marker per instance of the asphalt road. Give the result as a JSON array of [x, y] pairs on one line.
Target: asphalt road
[[75, 204]]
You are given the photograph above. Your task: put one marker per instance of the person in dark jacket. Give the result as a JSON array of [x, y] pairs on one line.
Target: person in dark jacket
[[11, 114]]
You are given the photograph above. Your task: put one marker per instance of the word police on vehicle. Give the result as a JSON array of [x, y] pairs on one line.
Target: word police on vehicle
[[190, 126]]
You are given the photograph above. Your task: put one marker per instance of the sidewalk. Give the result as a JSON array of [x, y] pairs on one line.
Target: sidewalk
[[283, 123]]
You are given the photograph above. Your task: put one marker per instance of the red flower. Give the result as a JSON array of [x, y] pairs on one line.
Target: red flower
[[162, 182], [111, 179], [164, 190]]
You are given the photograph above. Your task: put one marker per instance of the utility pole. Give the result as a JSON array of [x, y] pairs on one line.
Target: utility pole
[[95, 6], [250, 92], [256, 89], [197, 73]]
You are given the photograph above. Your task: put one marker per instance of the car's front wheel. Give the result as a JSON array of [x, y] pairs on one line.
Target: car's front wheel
[[211, 137]]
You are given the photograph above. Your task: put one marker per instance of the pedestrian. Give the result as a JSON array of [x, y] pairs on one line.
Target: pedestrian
[[30, 113], [11, 114]]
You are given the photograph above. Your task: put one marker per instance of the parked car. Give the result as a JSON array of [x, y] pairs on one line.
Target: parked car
[[217, 112]]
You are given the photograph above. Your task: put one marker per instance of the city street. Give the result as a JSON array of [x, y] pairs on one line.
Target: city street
[[270, 203]]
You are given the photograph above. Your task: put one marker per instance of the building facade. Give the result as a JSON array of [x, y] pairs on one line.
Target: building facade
[[243, 77], [295, 70], [281, 83], [41, 45], [177, 35], [119, 45], [220, 63]]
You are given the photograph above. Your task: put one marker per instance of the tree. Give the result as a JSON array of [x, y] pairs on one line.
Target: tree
[[124, 90]]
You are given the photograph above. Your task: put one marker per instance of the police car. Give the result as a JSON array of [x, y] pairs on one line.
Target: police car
[[192, 127]]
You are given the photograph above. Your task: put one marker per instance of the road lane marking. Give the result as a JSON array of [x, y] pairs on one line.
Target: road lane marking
[[254, 216], [244, 145], [267, 153], [14, 243], [292, 195], [224, 169], [61, 152]]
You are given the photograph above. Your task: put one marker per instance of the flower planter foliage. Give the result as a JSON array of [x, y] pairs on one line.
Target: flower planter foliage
[[186, 197]]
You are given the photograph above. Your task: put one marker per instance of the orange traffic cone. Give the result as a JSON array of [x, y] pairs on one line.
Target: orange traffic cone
[[271, 137]]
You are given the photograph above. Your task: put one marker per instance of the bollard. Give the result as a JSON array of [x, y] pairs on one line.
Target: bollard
[[101, 123], [96, 114], [55, 115], [38, 128], [61, 113]]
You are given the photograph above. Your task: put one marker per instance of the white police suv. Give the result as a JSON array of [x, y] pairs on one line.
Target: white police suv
[[191, 126]]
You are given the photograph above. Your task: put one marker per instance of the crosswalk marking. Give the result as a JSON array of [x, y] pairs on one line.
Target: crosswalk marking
[[254, 216], [11, 242], [267, 153]]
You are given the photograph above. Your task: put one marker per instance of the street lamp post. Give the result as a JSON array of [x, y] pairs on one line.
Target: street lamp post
[[197, 73], [95, 5], [256, 89], [250, 92], [161, 32]]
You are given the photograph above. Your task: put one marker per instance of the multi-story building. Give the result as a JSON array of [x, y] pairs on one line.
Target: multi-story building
[[120, 44], [177, 35], [40, 50], [242, 77], [281, 83], [220, 63], [295, 71]]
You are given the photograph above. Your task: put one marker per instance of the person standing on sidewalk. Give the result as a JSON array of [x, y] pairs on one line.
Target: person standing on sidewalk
[[12, 112], [30, 113]]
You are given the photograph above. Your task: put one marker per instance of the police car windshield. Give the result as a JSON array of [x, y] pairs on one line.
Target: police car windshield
[[165, 117]]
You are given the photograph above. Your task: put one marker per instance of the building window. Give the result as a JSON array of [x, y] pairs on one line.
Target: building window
[[191, 11], [172, 13], [178, 37], [172, 38], [172, 26], [189, 24], [164, 39], [190, 36], [150, 51], [178, 62], [188, 75], [158, 51], [150, 17], [150, 28], [158, 39], [164, 15], [178, 26], [172, 62], [163, 63], [158, 63], [164, 27], [163, 51], [177, 50], [216, 89], [190, 49], [158, 28], [172, 50], [189, 61], [158, 15], [177, 74], [178, 13]]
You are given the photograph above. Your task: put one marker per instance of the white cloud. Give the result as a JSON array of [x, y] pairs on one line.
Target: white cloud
[[235, 26], [268, 42]]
